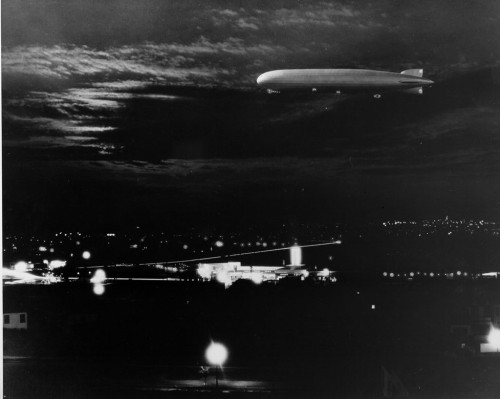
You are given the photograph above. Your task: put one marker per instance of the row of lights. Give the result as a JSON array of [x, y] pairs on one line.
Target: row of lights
[[430, 274]]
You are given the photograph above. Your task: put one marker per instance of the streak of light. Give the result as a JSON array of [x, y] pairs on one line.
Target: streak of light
[[222, 256]]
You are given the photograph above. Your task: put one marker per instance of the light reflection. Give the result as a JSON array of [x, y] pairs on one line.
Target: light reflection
[[99, 289]]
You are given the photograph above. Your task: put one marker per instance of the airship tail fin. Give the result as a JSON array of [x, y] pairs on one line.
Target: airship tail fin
[[415, 90], [414, 72]]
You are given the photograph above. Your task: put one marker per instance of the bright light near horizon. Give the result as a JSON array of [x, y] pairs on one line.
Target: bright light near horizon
[[257, 278], [55, 264], [86, 255], [216, 354], [204, 270], [324, 273], [494, 337], [99, 277], [223, 278], [295, 256], [219, 244], [21, 266]]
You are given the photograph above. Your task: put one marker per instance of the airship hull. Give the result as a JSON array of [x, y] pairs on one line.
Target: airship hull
[[340, 80]]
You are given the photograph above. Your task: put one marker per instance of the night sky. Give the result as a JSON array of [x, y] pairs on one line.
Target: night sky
[[126, 113]]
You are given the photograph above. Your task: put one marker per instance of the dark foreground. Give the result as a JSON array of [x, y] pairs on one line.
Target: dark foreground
[[292, 340]]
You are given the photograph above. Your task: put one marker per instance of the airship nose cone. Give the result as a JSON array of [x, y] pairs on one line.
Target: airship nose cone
[[261, 79]]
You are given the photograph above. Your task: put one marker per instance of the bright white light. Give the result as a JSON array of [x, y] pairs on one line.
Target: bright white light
[[86, 255], [295, 256], [219, 244], [459, 273], [98, 289], [185, 246], [204, 270], [385, 274], [305, 273], [494, 337], [222, 277], [42, 249], [99, 277], [216, 354], [392, 274], [325, 272], [21, 266], [256, 278], [54, 264], [412, 274], [373, 306]]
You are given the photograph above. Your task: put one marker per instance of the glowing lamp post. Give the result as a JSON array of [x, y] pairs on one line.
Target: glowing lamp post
[[216, 355]]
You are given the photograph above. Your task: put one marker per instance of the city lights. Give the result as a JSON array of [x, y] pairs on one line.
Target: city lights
[[222, 277], [99, 277], [204, 270], [21, 266], [494, 337], [493, 344], [324, 273], [257, 278], [295, 256], [55, 264]]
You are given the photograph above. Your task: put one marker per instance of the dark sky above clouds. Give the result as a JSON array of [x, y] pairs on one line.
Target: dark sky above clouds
[[124, 113]]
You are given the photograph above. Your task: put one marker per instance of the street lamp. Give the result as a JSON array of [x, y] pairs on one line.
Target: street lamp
[[216, 355]]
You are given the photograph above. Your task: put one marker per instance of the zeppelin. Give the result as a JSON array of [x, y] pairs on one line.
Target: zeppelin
[[341, 81]]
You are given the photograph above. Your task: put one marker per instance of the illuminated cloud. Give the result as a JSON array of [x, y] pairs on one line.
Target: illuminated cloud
[[327, 14], [171, 63]]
